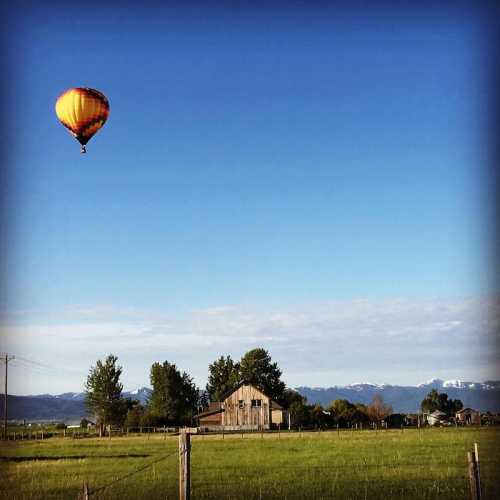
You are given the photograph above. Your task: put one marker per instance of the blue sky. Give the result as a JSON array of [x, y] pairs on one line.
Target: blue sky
[[271, 160]]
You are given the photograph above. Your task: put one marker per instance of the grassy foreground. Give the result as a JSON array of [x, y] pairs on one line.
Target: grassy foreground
[[430, 464]]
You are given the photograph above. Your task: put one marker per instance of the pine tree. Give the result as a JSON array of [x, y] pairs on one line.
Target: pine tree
[[256, 367], [223, 377]]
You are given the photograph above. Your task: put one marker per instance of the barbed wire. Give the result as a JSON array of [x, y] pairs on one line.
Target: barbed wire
[[130, 474]]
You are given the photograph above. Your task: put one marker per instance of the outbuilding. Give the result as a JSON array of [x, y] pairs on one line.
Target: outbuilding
[[468, 416], [437, 417]]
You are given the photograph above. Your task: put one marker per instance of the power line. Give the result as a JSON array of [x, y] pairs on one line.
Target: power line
[[43, 368]]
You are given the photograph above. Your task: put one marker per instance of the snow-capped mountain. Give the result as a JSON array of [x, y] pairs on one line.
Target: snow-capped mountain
[[483, 396], [141, 394], [480, 395], [437, 383]]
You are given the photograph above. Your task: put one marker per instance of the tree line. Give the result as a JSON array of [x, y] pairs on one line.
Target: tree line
[[175, 400]]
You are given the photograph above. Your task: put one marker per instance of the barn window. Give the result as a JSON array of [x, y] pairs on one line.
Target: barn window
[[241, 403], [256, 403]]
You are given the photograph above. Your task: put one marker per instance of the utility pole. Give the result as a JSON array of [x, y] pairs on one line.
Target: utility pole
[[5, 358]]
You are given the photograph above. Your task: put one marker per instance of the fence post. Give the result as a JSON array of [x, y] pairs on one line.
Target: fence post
[[85, 490], [184, 466], [475, 493], [478, 473]]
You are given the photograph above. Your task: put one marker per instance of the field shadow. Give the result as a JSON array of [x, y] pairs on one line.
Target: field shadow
[[69, 457]]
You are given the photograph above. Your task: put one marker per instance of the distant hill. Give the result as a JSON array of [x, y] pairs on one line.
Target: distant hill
[[44, 408], [482, 396], [66, 407], [70, 406]]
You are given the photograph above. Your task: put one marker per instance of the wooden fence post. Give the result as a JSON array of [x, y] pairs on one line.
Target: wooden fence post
[[475, 492], [85, 490], [184, 466], [478, 471]]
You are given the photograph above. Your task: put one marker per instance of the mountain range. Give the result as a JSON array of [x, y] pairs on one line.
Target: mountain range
[[70, 406], [484, 396]]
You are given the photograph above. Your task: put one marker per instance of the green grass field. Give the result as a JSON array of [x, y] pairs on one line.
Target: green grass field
[[430, 464]]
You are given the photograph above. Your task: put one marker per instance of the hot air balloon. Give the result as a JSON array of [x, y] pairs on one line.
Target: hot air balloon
[[83, 112]]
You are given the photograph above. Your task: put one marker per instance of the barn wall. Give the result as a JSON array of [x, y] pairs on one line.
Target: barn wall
[[277, 417], [235, 416], [215, 419]]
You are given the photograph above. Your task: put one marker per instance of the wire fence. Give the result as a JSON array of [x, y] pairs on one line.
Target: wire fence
[[88, 492]]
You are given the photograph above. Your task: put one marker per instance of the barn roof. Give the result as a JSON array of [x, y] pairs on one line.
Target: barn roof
[[274, 404], [243, 382], [467, 410], [209, 412], [438, 413]]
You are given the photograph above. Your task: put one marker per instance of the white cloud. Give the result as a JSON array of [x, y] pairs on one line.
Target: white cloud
[[336, 342]]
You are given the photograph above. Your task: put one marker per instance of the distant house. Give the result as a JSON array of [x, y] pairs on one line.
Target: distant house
[[468, 416], [411, 419], [437, 417], [246, 407]]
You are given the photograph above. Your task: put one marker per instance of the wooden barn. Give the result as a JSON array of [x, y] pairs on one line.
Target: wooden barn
[[246, 407], [468, 416]]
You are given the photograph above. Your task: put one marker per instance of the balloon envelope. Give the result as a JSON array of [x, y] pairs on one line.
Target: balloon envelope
[[83, 112]]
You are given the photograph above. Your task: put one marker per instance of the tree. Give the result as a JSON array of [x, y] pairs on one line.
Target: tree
[[104, 393], [134, 415], [342, 412], [377, 410], [223, 377], [84, 423], [346, 414], [439, 401], [319, 417], [300, 413], [290, 396], [256, 367], [203, 400], [174, 397]]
